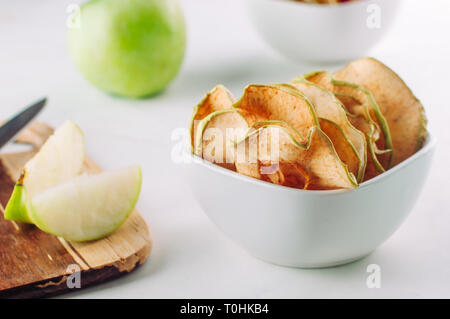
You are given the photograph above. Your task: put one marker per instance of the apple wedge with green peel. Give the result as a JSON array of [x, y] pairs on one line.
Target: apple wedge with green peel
[[87, 207], [59, 159], [350, 143]]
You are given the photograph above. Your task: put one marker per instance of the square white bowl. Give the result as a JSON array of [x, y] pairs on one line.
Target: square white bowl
[[309, 229]]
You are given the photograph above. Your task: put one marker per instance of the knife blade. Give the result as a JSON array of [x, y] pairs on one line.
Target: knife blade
[[19, 121]]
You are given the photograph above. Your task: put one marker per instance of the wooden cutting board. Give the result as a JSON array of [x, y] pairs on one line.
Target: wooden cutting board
[[36, 264]]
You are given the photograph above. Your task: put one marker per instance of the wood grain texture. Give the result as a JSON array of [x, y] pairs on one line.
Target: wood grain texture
[[35, 264]]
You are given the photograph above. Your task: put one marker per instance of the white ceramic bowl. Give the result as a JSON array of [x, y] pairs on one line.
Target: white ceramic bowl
[[322, 33], [309, 229]]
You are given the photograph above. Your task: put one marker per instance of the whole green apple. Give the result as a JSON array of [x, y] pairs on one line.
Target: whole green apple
[[132, 48]]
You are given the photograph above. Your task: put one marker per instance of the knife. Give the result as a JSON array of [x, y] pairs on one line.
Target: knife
[[19, 121]]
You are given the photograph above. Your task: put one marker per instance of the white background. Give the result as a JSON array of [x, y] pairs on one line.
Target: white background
[[191, 258]]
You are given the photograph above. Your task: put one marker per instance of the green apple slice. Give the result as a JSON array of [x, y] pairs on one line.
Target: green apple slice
[[87, 207], [59, 159]]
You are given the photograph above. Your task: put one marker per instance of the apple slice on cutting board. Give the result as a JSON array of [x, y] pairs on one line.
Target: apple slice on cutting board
[[52, 194], [59, 159], [87, 207], [38, 264]]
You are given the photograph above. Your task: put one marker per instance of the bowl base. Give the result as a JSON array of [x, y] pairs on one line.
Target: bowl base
[[317, 265]]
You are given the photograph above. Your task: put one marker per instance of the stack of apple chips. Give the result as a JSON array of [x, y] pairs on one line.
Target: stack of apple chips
[[320, 131]]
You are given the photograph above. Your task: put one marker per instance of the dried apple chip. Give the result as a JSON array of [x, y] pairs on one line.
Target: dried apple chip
[[256, 163], [217, 134], [343, 147], [404, 113], [219, 98], [361, 105], [350, 143], [320, 167], [280, 103]]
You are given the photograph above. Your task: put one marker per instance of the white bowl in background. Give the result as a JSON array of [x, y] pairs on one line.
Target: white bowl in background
[[322, 33], [309, 229]]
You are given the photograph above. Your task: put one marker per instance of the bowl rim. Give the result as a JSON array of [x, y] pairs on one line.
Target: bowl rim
[[429, 146], [323, 6]]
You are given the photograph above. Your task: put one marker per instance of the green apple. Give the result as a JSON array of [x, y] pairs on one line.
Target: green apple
[[132, 48], [59, 159], [87, 207]]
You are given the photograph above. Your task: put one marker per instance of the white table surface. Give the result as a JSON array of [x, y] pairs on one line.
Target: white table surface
[[191, 258]]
